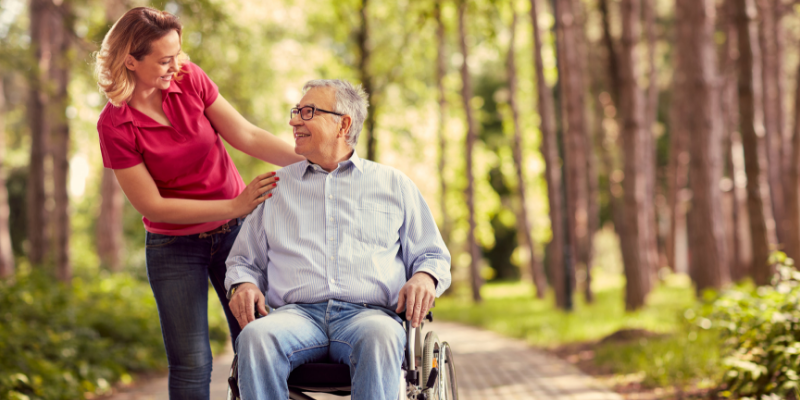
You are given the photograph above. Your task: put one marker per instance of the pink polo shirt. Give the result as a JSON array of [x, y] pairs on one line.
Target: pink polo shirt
[[187, 160]]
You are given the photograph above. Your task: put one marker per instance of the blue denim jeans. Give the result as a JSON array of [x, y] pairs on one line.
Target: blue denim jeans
[[369, 339], [179, 268]]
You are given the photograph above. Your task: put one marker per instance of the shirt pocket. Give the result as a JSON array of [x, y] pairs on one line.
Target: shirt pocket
[[378, 224]]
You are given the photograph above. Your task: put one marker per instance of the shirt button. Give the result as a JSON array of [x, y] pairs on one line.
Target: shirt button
[[330, 196], [331, 219], [331, 238], [332, 257], [332, 281]]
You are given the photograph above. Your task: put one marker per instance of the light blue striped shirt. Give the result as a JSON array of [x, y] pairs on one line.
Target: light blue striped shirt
[[356, 234]]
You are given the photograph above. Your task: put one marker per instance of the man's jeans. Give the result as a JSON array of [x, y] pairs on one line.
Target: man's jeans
[[369, 339], [179, 268]]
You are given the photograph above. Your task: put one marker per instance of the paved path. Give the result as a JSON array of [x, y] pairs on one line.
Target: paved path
[[489, 367]]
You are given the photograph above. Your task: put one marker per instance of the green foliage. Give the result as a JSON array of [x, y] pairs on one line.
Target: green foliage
[[761, 328], [61, 342], [686, 357]]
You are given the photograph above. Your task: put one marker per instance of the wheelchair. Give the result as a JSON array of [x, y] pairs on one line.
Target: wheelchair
[[428, 371]]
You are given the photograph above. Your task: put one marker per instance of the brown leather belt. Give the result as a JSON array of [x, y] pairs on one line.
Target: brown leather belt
[[225, 228]]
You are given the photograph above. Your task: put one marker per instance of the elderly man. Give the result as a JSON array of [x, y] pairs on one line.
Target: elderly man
[[343, 245]]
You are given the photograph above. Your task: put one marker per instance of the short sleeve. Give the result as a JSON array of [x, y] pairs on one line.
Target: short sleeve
[[118, 145], [205, 87]]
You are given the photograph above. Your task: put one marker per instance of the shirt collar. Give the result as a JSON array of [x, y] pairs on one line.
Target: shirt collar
[[355, 160], [124, 113]]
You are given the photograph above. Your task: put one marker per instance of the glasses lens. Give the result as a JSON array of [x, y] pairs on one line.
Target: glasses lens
[[293, 112], [307, 113]]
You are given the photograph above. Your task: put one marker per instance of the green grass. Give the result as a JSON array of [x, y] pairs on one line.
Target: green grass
[[679, 356], [512, 309]]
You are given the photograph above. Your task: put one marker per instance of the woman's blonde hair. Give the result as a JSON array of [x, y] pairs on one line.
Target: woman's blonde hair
[[134, 34]]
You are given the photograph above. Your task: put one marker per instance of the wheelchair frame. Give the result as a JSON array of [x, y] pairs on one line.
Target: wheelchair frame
[[428, 371]]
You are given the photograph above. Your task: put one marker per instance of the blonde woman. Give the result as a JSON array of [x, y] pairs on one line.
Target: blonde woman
[[161, 132]]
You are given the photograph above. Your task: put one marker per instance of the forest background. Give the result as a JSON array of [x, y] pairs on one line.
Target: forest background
[[570, 146]]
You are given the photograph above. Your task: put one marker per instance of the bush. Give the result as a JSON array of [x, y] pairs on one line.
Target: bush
[[761, 329], [64, 342]]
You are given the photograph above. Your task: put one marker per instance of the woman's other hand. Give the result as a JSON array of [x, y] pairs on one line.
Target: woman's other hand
[[255, 193]]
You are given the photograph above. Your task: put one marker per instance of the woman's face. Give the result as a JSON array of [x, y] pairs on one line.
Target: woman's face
[[156, 70]]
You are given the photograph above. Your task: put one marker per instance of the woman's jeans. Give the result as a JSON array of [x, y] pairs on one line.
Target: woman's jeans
[[179, 268], [370, 339]]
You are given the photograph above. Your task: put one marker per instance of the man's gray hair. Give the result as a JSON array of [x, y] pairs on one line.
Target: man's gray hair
[[350, 100]]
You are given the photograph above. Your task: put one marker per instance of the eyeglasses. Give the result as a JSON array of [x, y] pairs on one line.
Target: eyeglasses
[[307, 112]]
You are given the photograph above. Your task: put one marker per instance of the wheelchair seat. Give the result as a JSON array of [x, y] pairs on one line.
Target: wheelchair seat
[[321, 376], [421, 380]]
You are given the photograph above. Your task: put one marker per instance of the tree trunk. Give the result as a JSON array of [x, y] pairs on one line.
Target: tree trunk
[[677, 170], [611, 102], [635, 241], [60, 75], [793, 188], [109, 223], [367, 81], [762, 225], [734, 163], [549, 148], [592, 213], [613, 61], [441, 68], [6, 254], [522, 217], [708, 266], [38, 217], [651, 111], [466, 95], [772, 104], [573, 117]]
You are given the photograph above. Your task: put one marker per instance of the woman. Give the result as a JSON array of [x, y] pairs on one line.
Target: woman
[[160, 133]]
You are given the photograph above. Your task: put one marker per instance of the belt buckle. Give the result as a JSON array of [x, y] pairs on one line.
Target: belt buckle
[[224, 228]]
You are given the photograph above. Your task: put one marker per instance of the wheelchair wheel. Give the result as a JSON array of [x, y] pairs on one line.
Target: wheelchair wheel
[[233, 377], [448, 373], [437, 355]]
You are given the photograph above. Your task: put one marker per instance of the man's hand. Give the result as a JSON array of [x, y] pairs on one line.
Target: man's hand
[[244, 302], [417, 297]]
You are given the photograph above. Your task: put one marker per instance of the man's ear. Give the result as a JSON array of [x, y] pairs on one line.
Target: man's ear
[[130, 62], [344, 125]]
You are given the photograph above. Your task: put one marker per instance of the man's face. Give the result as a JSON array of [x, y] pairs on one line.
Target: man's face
[[317, 139]]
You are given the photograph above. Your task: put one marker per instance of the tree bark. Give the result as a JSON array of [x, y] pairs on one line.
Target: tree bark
[[611, 103], [573, 117], [635, 241], [613, 61], [651, 111], [109, 223], [708, 266], [759, 204], [466, 96], [522, 216], [772, 105], [734, 164], [549, 148], [441, 68], [6, 254], [793, 187], [367, 81], [60, 75], [38, 217]]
